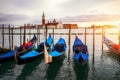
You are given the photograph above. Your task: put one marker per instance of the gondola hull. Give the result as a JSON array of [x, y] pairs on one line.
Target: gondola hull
[[109, 45], [28, 59], [5, 59], [59, 56], [10, 55]]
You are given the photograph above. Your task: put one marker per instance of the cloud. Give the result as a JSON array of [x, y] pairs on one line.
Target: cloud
[[91, 18], [30, 11], [12, 17]]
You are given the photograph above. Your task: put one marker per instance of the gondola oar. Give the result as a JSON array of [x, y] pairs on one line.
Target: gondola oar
[[47, 57]]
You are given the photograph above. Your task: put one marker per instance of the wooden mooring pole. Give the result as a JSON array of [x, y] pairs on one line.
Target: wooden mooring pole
[[103, 35], [119, 41], [29, 32], [93, 42], [85, 35], [53, 35], [20, 35], [119, 35], [3, 36], [12, 37], [69, 40], [9, 37], [46, 31], [24, 37], [39, 34]]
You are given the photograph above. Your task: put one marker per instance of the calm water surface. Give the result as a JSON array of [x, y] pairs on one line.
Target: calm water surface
[[105, 67]]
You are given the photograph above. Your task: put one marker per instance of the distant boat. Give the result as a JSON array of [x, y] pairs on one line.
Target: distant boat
[[80, 52], [113, 47], [58, 51], [32, 55], [20, 50]]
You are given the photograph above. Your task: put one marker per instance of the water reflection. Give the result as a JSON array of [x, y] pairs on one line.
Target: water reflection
[[116, 60], [29, 68], [53, 69], [117, 74], [6, 68], [81, 71]]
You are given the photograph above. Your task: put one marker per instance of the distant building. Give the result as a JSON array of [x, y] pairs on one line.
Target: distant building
[[72, 26], [60, 25], [51, 24]]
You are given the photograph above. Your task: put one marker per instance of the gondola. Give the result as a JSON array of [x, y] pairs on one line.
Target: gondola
[[20, 50], [113, 47], [57, 52], [80, 52], [32, 55]]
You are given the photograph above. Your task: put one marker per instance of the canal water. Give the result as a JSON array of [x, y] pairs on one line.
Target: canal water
[[105, 66]]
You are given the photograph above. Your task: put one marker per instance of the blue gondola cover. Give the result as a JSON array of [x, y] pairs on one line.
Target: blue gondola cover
[[58, 49], [8, 54], [83, 55], [60, 45], [77, 42], [55, 53], [29, 54]]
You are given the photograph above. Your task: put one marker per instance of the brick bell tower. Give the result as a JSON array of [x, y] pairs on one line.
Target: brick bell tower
[[43, 19]]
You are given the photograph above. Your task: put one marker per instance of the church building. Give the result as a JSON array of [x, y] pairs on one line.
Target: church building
[[52, 24]]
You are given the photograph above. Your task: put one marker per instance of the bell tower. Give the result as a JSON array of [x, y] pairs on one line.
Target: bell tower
[[43, 19]]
